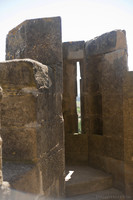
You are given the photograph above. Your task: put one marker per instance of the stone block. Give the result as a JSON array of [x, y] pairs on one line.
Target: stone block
[[112, 105], [115, 121], [69, 105], [21, 111], [90, 69], [128, 150], [37, 39], [71, 123], [69, 79], [106, 43], [128, 84], [128, 116], [116, 168], [53, 176], [109, 165], [114, 68], [114, 147], [32, 121], [129, 180], [1, 175], [90, 87], [22, 177], [19, 144], [73, 50], [112, 114], [96, 125], [17, 74], [96, 144], [76, 151]]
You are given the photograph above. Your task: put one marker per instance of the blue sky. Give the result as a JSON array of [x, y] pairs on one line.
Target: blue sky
[[81, 19]]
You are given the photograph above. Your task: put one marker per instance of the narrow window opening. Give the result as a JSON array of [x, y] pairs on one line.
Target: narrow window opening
[[78, 99]]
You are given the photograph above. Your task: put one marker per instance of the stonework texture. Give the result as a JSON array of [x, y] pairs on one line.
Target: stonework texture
[[27, 121], [105, 122], [38, 39], [39, 90], [32, 121]]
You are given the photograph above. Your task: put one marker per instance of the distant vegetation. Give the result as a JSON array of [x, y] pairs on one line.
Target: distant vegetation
[[79, 114]]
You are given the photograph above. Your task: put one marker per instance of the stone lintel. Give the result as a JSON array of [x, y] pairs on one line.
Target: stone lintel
[[106, 43], [73, 50]]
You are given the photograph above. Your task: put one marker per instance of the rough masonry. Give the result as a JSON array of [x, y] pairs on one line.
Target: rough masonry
[[39, 104], [32, 121]]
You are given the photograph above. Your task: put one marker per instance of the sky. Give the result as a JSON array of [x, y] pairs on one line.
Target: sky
[[81, 19]]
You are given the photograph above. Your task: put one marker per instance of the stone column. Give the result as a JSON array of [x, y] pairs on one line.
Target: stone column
[[1, 176], [69, 97], [107, 65], [128, 133], [91, 97], [41, 40]]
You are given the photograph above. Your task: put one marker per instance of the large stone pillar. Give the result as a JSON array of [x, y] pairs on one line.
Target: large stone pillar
[[1, 175], [107, 65], [38, 39], [91, 96], [32, 126], [128, 133], [69, 97]]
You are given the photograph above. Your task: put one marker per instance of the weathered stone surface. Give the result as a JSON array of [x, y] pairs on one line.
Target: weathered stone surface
[[73, 50], [1, 175], [76, 149], [106, 43], [37, 92], [38, 39], [69, 97], [102, 98], [86, 180], [31, 112], [32, 97], [22, 177], [129, 179]]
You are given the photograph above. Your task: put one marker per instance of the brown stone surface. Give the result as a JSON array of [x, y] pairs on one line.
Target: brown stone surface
[[128, 128], [100, 195], [73, 50], [106, 66], [76, 149], [22, 177], [106, 43], [37, 92], [129, 179], [31, 111], [1, 175], [69, 97], [85, 180], [38, 39]]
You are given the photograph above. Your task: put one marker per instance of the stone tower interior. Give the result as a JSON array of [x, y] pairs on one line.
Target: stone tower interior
[[41, 143]]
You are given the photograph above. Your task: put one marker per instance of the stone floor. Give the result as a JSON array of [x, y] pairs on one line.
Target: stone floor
[[82, 183], [86, 183], [109, 194]]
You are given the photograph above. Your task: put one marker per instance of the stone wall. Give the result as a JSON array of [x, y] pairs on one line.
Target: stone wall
[[76, 145], [1, 175], [72, 53], [107, 55], [32, 119], [29, 116], [103, 68], [128, 132]]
